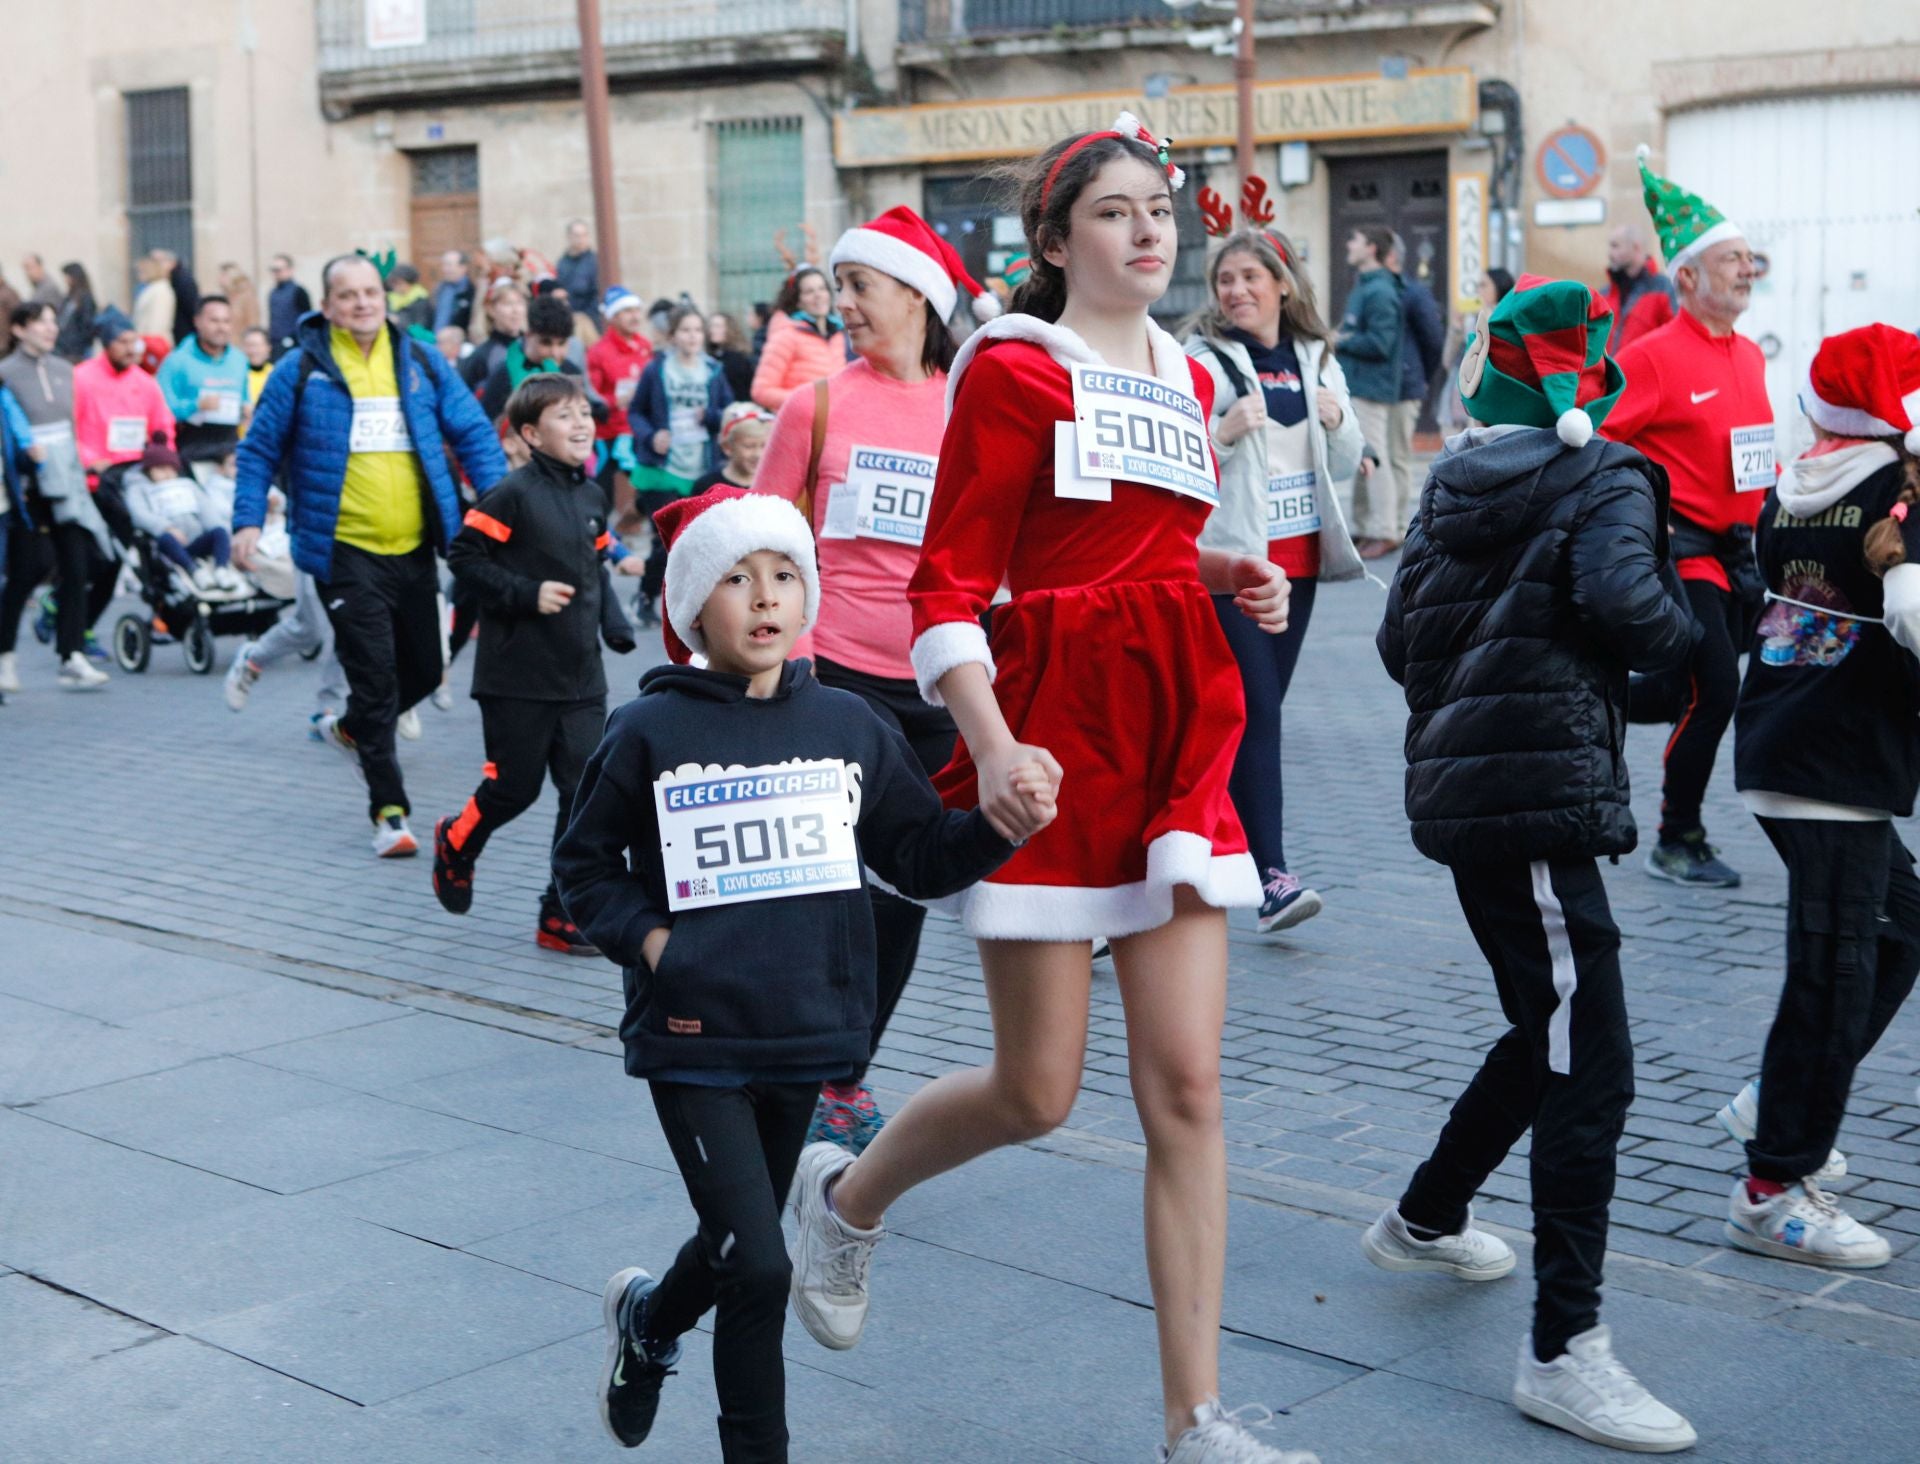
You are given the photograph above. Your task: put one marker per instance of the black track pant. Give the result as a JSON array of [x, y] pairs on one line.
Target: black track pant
[[737, 1149], [528, 742], [1853, 948], [1564, 1069], [930, 734], [68, 552], [1712, 687], [647, 503], [385, 610]]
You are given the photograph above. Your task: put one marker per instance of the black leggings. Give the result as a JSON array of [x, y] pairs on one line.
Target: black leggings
[[930, 734], [1713, 686], [1266, 671], [68, 551], [647, 504], [737, 1149]]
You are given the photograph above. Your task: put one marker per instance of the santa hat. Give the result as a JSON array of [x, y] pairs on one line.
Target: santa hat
[[710, 533], [902, 244], [1687, 224], [738, 413], [1866, 383], [1540, 360], [618, 298]]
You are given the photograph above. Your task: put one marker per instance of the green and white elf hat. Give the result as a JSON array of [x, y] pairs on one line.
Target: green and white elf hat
[[1686, 223], [1539, 359]]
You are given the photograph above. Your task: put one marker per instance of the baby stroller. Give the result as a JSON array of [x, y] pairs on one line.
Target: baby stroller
[[179, 610]]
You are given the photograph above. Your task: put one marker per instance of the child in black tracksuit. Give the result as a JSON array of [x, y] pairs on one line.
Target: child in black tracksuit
[[740, 1005], [1827, 755], [1530, 585], [530, 554]]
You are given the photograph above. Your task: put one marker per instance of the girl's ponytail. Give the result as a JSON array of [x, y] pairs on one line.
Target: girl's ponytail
[[1885, 546]]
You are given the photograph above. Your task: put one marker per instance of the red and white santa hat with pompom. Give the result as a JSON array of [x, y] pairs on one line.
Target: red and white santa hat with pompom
[[1866, 383], [902, 244]]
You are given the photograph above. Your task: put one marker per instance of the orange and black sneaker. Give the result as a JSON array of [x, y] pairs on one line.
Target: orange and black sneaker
[[452, 875], [557, 933]]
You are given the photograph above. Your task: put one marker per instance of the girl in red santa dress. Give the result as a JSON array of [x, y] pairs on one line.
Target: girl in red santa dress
[[1075, 469]]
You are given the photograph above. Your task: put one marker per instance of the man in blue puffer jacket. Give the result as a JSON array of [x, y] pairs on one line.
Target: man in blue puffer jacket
[[361, 420]]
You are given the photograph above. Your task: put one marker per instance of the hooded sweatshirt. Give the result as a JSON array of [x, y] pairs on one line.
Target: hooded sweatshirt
[[1530, 584], [771, 987], [117, 413], [1829, 711]]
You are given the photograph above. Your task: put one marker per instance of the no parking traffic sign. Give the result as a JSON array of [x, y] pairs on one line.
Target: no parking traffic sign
[[1570, 163]]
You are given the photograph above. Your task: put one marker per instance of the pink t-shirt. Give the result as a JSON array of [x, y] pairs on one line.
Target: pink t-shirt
[[865, 623]]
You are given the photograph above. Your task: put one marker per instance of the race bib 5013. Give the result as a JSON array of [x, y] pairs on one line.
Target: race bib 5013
[[731, 836], [1132, 426]]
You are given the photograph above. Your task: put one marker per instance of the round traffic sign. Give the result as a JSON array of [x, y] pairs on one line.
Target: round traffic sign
[[1570, 163]]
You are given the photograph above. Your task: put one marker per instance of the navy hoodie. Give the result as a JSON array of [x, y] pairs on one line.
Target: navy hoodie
[[773, 987]]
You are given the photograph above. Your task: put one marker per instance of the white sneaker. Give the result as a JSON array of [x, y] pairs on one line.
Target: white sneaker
[[830, 1257], [392, 839], [443, 698], [9, 672], [228, 578], [1472, 1255], [203, 579], [77, 673], [407, 724], [1589, 1392], [1803, 1223], [1220, 1437], [327, 729], [240, 677], [1740, 1116]]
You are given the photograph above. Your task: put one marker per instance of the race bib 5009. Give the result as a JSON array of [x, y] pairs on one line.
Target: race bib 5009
[[730, 836], [1127, 425]]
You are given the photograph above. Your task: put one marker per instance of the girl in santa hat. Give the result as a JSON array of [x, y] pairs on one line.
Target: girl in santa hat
[[1826, 755], [857, 451], [1108, 659]]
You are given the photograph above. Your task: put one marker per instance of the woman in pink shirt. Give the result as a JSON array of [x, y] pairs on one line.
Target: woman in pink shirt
[[807, 340], [869, 493]]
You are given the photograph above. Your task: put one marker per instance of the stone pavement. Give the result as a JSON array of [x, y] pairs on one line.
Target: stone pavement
[[294, 1165]]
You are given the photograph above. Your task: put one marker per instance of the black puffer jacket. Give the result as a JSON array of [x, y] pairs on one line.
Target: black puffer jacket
[[1530, 584]]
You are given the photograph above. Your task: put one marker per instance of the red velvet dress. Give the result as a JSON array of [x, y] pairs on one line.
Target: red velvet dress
[[1109, 654]]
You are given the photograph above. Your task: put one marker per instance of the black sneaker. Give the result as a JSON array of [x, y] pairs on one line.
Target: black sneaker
[[645, 615], [452, 875], [630, 1391], [1691, 860], [557, 933]]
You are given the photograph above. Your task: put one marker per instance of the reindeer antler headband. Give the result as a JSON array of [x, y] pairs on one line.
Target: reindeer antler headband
[[1127, 128], [1255, 208]]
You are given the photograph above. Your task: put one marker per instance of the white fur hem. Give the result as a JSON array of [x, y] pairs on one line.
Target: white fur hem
[[912, 267], [1725, 229], [995, 911], [940, 648], [711, 544]]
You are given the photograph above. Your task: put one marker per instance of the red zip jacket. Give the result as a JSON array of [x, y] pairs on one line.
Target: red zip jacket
[[1686, 392], [612, 360]]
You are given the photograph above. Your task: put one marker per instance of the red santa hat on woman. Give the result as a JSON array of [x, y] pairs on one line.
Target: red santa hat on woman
[[902, 244], [710, 533], [1866, 383]]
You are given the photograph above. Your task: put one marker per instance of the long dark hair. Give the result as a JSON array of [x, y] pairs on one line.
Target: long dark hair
[[788, 300], [77, 281], [1045, 212], [1883, 546]]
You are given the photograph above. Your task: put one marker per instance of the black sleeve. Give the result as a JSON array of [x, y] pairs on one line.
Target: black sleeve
[[473, 557], [604, 895], [493, 396], [1429, 332], [1391, 640], [1619, 588], [615, 629], [911, 841]]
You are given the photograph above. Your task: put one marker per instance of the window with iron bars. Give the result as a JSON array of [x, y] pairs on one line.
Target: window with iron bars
[[159, 175], [759, 190]]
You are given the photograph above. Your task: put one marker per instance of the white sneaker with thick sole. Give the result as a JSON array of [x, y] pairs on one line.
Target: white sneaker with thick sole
[[408, 724], [327, 729], [1220, 1437], [443, 698], [1803, 1223], [240, 677], [830, 1258], [1740, 1117], [9, 672], [77, 673], [1472, 1255], [392, 839], [1589, 1392]]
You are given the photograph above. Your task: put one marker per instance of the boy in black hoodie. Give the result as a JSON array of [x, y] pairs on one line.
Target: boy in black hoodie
[[1532, 582], [717, 852], [530, 554]]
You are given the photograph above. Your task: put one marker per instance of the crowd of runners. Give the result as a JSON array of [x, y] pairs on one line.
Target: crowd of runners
[[1003, 622]]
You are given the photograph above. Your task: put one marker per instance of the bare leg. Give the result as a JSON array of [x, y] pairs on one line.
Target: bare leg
[[1038, 992], [1173, 982]]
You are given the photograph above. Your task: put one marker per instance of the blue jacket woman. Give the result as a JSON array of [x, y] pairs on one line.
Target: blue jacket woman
[[651, 412]]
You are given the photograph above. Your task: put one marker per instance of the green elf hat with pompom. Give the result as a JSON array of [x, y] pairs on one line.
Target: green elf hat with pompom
[[1686, 223], [1540, 359]]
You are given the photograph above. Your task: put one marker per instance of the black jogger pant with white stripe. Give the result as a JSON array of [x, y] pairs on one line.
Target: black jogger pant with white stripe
[[1564, 1069]]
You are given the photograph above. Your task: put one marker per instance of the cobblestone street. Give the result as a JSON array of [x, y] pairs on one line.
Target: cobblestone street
[[295, 1165]]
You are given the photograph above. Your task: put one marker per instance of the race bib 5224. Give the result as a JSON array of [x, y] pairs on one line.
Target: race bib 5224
[[731, 836], [1127, 425], [379, 426]]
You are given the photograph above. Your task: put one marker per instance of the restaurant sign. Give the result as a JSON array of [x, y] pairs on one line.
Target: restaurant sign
[[1302, 109]]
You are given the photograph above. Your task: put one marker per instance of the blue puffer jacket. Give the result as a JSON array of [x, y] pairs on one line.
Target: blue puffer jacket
[[438, 407], [15, 438]]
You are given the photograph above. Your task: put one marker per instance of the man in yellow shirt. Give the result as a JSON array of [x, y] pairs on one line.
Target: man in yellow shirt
[[361, 420]]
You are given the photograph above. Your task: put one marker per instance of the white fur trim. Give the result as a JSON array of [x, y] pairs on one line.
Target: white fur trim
[[1845, 421], [1725, 229], [940, 648], [720, 538], [1574, 427], [994, 911], [1066, 347], [985, 306], [895, 257]]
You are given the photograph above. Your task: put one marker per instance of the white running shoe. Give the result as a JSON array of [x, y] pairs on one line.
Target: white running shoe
[[203, 578], [327, 729], [408, 724], [240, 677], [1740, 1116], [1589, 1392], [830, 1257], [1220, 1437], [443, 697], [1803, 1223], [1472, 1255], [392, 839], [77, 673], [9, 671], [228, 578]]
